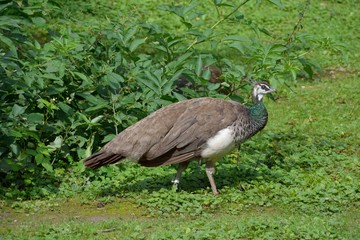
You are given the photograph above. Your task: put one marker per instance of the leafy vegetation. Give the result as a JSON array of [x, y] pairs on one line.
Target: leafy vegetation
[[72, 79]]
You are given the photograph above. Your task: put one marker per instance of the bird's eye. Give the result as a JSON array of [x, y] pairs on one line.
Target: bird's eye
[[264, 87]]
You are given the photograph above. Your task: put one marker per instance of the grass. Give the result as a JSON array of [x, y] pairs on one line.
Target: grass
[[258, 223], [298, 179]]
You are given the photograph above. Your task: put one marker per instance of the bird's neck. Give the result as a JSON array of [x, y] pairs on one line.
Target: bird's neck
[[258, 112], [257, 121]]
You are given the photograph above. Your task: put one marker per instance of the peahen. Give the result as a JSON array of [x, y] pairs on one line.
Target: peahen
[[202, 128]]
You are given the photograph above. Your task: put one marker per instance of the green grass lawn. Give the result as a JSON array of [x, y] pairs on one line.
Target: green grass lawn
[[298, 179]]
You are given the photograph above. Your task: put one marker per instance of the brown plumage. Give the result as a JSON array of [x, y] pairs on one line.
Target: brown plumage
[[182, 132], [170, 135]]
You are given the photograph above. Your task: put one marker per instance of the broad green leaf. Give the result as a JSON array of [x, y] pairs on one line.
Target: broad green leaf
[[17, 110], [174, 42], [193, 5], [3, 6], [78, 167], [238, 46], [95, 100], [128, 99], [89, 146], [31, 133], [236, 38], [10, 44], [66, 108], [179, 96], [40, 82], [53, 66], [205, 35], [39, 158], [213, 87], [51, 76], [108, 138], [29, 80], [86, 81], [97, 107], [35, 118], [161, 48], [277, 3], [186, 23], [206, 74], [15, 148], [55, 89], [278, 48], [226, 5], [114, 80], [225, 84], [199, 66], [129, 34], [43, 161], [189, 91], [81, 153], [177, 10], [38, 21], [10, 21], [44, 103], [136, 43], [13, 133], [37, 45], [57, 143], [150, 84], [155, 78], [168, 86], [83, 117], [264, 30], [179, 61], [97, 119], [81, 76]]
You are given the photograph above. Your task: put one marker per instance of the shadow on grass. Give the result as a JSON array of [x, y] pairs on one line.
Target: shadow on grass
[[258, 158], [193, 179]]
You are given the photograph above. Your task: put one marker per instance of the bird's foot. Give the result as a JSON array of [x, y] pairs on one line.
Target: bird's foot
[[175, 182], [175, 186]]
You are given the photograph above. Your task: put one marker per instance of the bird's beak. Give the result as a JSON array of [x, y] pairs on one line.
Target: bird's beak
[[272, 90]]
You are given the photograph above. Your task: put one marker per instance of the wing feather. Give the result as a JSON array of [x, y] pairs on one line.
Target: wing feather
[[175, 133]]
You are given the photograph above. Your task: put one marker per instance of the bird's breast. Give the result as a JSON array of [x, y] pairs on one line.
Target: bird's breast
[[219, 145]]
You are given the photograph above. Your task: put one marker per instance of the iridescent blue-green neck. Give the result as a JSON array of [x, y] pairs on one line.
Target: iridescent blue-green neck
[[258, 111]]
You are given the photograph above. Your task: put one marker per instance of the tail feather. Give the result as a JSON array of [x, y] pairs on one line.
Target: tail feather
[[102, 158]]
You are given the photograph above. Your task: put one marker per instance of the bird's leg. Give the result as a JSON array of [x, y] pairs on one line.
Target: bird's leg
[[210, 171], [181, 168]]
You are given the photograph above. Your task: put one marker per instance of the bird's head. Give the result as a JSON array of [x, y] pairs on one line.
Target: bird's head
[[260, 90]]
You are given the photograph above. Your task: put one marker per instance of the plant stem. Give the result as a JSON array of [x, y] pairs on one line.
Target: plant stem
[[231, 13], [114, 114], [220, 21], [217, 10], [298, 24]]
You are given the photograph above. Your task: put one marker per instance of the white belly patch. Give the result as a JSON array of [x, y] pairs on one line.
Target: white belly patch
[[219, 145]]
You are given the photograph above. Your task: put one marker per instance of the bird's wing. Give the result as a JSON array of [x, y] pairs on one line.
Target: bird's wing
[[136, 140], [201, 120]]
